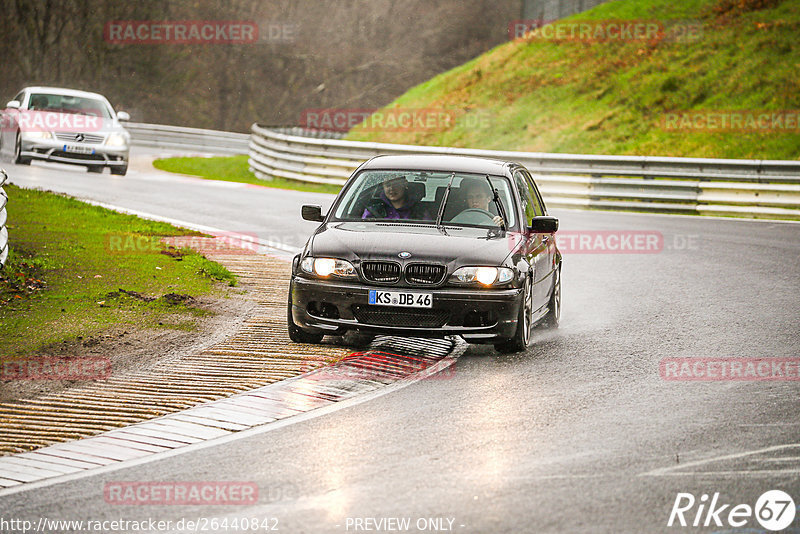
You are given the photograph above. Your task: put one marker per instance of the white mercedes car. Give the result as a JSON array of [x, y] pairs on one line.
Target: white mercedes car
[[67, 126]]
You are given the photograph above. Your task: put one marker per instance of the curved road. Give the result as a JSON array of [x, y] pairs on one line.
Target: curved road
[[581, 433]]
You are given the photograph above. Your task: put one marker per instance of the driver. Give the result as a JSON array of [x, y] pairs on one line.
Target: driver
[[38, 102], [395, 202], [478, 195]]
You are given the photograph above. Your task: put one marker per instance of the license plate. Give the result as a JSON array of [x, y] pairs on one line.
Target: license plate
[[77, 149], [400, 299]]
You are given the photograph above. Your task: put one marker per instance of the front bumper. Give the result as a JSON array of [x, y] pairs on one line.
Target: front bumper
[[53, 150], [479, 315]]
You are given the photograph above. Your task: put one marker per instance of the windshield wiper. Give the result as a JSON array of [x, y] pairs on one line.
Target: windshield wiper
[[439, 225], [499, 204]]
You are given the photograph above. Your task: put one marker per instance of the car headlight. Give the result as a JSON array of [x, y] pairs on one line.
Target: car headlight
[[325, 267], [116, 139], [485, 276], [36, 134]]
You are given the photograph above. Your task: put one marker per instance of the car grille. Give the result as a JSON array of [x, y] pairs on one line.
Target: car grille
[[76, 137], [408, 318], [423, 273], [385, 272]]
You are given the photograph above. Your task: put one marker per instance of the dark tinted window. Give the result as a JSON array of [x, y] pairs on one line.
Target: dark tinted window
[[528, 199]]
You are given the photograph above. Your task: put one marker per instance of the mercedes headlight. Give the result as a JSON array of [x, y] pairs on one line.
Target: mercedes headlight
[[325, 267], [116, 139], [485, 276], [37, 134]]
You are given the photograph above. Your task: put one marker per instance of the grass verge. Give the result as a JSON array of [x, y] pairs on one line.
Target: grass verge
[[76, 269], [234, 169]]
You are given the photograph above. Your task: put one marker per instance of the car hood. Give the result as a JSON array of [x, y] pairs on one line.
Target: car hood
[[453, 246]]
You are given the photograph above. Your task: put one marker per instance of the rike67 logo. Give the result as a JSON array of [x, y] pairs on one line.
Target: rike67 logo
[[774, 510]]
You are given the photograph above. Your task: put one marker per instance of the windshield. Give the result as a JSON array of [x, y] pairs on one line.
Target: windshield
[[69, 104], [419, 196]]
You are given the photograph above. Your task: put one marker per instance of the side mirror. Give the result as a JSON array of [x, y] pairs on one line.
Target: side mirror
[[312, 213], [123, 116], [543, 225], [13, 105]]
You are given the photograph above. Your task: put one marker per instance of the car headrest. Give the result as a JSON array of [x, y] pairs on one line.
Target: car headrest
[[416, 190]]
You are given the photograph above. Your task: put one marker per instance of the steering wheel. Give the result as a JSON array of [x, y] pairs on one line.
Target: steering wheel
[[473, 216]]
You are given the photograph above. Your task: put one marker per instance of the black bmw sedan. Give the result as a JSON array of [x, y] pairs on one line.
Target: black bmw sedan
[[430, 246]]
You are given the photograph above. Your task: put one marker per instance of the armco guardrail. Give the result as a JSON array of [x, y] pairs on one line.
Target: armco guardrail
[[742, 188], [3, 217], [178, 137], [303, 131]]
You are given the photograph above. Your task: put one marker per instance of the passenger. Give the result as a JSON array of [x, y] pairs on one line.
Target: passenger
[[395, 202], [478, 195]]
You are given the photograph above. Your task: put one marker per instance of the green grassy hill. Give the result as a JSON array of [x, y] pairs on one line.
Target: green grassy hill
[[611, 97]]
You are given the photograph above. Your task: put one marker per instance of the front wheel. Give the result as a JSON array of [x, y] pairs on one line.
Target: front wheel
[[297, 334], [18, 157], [522, 335]]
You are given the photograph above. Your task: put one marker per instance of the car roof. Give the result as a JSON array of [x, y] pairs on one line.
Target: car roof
[[63, 91], [424, 162]]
